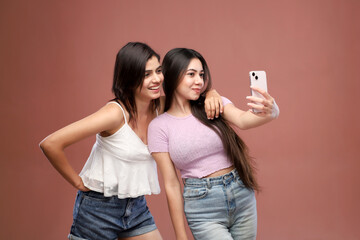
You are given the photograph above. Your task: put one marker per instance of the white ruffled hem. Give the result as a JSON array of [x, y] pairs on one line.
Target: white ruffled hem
[[98, 186]]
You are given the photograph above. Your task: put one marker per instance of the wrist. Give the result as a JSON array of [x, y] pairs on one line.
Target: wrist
[[211, 91], [276, 111], [78, 183]]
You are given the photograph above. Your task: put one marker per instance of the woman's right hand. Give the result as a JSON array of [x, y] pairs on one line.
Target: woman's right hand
[[213, 104], [80, 186]]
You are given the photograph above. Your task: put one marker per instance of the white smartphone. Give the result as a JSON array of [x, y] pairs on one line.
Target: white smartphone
[[258, 79]]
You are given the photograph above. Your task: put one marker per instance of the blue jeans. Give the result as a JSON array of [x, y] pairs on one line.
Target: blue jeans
[[107, 218], [220, 208]]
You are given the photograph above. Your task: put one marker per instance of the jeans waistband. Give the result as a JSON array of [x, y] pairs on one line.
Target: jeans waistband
[[212, 181]]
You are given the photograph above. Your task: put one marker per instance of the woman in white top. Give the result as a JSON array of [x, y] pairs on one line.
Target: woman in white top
[[110, 203]]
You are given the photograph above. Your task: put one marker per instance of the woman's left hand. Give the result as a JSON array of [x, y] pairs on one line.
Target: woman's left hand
[[213, 104], [266, 107]]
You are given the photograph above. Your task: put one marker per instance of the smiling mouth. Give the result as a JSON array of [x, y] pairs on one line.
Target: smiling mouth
[[155, 88]]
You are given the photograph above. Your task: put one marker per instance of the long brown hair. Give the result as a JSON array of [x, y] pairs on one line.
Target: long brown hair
[[129, 72], [174, 66]]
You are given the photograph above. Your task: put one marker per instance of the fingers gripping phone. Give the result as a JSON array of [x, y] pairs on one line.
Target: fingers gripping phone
[[258, 79]]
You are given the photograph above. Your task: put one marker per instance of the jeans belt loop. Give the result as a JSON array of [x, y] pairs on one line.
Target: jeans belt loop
[[233, 174], [208, 183], [224, 181]]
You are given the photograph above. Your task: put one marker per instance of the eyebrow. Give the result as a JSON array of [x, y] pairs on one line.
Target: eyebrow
[[148, 70], [194, 70]]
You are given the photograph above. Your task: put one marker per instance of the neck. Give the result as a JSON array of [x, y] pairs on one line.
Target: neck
[[143, 107], [180, 107]]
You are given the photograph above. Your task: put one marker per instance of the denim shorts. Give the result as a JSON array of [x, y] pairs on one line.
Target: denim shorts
[[220, 208], [107, 218]]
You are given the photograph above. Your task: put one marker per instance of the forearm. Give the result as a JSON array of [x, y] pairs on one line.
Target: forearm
[[176, 209], [58, 159], [250, 120]]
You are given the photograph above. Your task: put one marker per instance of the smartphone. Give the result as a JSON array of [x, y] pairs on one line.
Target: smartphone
[[258, 79]]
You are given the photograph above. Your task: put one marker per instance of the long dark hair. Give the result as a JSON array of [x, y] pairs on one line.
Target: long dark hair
[[129, 74], [174, 66]]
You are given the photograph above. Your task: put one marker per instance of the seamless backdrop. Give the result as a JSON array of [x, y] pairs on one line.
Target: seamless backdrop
[[56, 65]]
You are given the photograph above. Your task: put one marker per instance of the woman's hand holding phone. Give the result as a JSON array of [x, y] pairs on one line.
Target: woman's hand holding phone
[[264, 106], [261, 102]]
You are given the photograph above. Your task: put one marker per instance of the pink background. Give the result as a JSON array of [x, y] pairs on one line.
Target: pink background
[[56, 66]]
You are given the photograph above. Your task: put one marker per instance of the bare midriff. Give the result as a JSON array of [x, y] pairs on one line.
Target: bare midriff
[[220, 172]]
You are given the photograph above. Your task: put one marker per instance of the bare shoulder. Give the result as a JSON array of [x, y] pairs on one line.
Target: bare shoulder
[[113, 108], [113, 114]]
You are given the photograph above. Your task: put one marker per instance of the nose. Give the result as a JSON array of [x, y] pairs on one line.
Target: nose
[[199, 80], [157, 78]]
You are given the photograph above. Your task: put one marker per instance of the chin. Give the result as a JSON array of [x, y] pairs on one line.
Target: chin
[[155, 96], [194, 98]]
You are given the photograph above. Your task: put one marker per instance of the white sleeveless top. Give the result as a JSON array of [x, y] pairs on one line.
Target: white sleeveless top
[[121, 165]]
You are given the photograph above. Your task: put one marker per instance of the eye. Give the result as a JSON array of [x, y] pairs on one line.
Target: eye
[[191, 74], [202, 75], [159, 70], [147, 74]]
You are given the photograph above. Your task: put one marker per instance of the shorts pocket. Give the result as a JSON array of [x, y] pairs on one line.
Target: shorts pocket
[[193, 193], [77, 204]]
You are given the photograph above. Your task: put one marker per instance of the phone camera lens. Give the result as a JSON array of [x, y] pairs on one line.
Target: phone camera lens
[[253, 74], [256, 77]]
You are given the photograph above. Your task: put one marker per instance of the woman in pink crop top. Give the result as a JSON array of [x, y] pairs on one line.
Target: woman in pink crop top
[[110, 204], [218, 174]]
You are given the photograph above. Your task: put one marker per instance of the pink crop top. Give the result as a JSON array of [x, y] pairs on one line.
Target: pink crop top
[[195, 149]]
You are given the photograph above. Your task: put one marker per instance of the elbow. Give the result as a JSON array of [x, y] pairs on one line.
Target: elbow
[[47, 145], [44, 145]]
